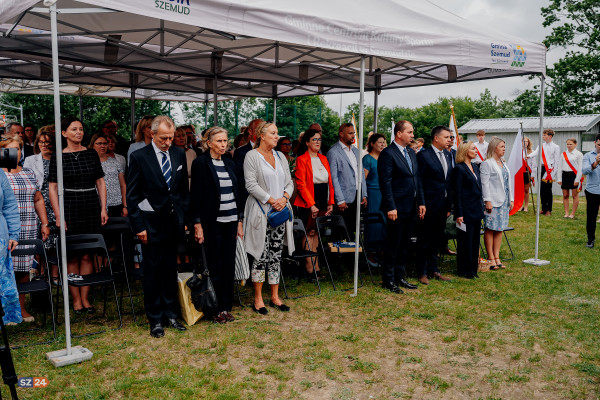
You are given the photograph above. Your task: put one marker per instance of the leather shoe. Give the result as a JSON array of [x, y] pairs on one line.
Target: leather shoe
[[440, 277], [173, 323], [261, 311], [392, 287], [424, 280], [156, 330], [403, 283]]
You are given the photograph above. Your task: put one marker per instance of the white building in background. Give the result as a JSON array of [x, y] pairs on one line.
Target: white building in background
[[584, 128]]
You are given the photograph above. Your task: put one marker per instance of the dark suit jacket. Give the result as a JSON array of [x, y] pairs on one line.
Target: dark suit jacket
[[398, 185], [435, 184], [145, 181], [468, 198], [205, 191], [238, 158]]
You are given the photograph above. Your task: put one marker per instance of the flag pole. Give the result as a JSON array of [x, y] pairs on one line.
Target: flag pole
[[536, 261]]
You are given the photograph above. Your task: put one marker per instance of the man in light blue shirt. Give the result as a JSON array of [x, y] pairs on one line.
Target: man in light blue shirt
[[592, 190]]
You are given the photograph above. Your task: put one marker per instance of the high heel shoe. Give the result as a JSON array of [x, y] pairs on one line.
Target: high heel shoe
[[262, 310]]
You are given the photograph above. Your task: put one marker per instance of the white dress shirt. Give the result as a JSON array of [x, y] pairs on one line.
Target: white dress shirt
[[576, 160], [274, 177], [482, 148], [159, 156], [553, 154], [353, 161]]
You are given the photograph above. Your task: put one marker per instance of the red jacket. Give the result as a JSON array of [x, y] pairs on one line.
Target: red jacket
[[305, 189]]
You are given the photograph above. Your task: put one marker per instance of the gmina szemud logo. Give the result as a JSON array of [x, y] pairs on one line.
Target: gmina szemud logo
[[512, 54], [177, 6]]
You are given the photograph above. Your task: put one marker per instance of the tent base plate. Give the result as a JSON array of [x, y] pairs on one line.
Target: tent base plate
[[59, 358], [536, 261]]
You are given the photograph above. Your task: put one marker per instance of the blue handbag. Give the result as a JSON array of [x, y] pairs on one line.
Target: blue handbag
[[276, 218]]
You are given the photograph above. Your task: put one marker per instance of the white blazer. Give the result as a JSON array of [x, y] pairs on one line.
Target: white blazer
[[36, 163], [492, 184]]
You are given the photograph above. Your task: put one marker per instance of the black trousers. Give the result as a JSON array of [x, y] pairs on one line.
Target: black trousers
[[431, 238], [349, 216], [220, 245], [160, 280], [593, 202], [399, 233], [467, 257], [545, 193]]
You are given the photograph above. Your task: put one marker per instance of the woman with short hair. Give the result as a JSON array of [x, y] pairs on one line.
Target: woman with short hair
[[468, 209], [569, 175], [269, 184], [143, 134], [314, 190], [498, 196], [114, 176], [217, 215]]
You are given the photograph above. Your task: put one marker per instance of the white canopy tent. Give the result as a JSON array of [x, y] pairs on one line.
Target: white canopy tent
[[271, 48]]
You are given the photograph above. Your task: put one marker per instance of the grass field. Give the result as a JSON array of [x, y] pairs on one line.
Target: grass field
[[521, 333]]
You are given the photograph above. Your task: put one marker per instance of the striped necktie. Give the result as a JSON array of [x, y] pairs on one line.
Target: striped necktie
[[166, 168]]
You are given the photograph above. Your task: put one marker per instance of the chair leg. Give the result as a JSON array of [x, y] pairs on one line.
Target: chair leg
[[512, 254]]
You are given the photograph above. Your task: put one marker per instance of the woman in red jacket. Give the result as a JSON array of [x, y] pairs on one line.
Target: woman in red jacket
[[314, 190]]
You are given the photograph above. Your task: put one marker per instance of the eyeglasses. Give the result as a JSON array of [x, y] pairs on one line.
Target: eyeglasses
[[316, 140], [101, 144], [286, 144], [44, 143], [452, 137]]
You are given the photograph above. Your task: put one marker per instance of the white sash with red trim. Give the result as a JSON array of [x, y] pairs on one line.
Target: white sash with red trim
[[548, 176], [574, 170]]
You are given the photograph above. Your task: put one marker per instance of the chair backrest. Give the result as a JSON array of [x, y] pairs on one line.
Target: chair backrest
[[117, 224], [333, 222], [80, 243], [29, 247]]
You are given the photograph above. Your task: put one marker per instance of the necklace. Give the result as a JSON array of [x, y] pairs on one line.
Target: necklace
[[73, 153]]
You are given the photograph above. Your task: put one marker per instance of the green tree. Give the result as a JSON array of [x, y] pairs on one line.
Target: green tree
[[39, 110], [573, 88]]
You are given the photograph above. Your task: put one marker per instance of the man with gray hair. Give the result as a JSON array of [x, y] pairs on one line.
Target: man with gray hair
[[157, 196]]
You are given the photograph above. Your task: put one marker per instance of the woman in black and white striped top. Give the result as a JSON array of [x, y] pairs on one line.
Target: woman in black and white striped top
[[217, 211]]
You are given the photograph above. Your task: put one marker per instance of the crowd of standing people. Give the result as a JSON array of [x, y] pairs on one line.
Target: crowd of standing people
[[167, 183]]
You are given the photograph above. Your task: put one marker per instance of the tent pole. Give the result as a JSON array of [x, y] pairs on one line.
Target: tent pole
[[205, 110], [215, 118], [21, 110], [275, 110], [81, 107], [359, 195], [536, 261], [132, 100], [375, 109]]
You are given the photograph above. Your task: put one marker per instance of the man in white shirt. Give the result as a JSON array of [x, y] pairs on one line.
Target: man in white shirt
[[550, 164], [343, 160], [481, 146]]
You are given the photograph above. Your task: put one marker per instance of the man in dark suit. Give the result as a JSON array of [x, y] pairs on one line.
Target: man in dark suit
[[402, 202], [435, 170], [157, 196]]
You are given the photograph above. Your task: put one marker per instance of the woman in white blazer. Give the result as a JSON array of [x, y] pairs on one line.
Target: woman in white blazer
[[269, 185], [498, 197]]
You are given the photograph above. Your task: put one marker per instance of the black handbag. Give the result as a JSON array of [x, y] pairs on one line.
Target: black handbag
[[203, 293]]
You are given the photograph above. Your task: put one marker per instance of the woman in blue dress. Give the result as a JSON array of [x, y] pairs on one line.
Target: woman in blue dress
[[10, 227], [373, 232], [498, 198]]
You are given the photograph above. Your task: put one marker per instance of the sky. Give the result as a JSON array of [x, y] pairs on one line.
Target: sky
[[521, 18]]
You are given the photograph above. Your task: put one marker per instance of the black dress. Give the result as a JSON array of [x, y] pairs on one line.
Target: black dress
[[81, 170]]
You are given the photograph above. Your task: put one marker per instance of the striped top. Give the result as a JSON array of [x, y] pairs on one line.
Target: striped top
[[228, 209]]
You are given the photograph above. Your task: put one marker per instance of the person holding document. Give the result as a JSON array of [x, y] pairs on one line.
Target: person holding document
[[468, 209]]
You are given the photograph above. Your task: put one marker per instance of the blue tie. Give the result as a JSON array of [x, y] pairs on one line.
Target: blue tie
[[408, 159], [166, 168]]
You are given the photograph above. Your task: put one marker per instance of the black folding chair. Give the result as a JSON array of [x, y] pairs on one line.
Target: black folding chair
[[35, 247], [94, 243], [512, 254], [368, 220], [332, 229], [298, 258], [118, 231]]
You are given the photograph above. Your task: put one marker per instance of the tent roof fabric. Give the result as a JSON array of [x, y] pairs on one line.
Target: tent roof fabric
[[582, 123], [264, 48]]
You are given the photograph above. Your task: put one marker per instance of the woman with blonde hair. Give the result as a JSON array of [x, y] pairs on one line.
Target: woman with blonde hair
[[30, 201], [269, 184], [468, 209], [498, 197], [143, 134], [569, 175], [180, 140]]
